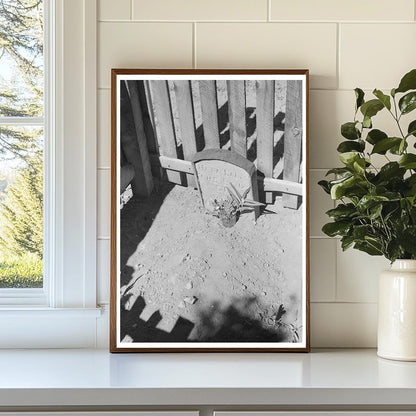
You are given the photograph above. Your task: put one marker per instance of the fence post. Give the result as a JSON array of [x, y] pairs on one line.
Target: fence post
[[164, 126], [140, 134], [264, 122], [209, 109], [237, 116], [293, 139], [185, 107], [129, 144]]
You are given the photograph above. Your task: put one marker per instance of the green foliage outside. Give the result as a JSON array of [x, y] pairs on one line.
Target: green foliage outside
[[376, 212], [21, 271], [21, 148]]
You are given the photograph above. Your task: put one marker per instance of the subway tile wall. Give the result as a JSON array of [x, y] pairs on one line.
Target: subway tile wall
[[345, 44]]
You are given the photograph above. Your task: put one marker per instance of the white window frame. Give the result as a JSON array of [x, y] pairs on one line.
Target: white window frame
[[64, 313]]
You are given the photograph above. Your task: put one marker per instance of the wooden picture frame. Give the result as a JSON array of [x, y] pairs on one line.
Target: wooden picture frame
[[197, 264]]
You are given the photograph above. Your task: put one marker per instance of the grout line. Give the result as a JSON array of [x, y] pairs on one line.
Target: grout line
[[414, 10], [102, 238], [311, 22], [336, 271], [186, 21], [194, 64], [131, 9], [323, 237], [269, 10], [338, 64], [104, 168], [344, 303]]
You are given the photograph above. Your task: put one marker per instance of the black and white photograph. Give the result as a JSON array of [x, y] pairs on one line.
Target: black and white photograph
[[209, 244]]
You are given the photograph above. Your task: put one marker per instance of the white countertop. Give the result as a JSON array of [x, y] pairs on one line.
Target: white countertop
[[96, 377]]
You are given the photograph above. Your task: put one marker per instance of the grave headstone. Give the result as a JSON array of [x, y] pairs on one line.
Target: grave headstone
[[217, 169]]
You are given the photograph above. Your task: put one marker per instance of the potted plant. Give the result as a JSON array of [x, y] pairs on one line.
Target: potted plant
[[376, 207], [229, 209]]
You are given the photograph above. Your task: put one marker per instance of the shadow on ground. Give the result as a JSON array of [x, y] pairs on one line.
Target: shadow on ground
[[232, 324]]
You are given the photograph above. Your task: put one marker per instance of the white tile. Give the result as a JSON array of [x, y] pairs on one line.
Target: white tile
[[357, 275], [376, 55], [104, 202], [271, 45], [142, 45], [103, 328], [323, 269], [319, 203], [340, 10], [327, 110], [200, 10], [103, 271], [104, 129], [114, 10], [343, 325]]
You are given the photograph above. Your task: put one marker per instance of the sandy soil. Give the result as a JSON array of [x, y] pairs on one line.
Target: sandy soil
[[225, 284]]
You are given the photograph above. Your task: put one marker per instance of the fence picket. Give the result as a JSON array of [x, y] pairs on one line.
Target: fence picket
[[140, 134], [186, 121], [147, 118], [237, 116], [264, 125], [209, 108], [129, 143], [164, 125], [293, 139]]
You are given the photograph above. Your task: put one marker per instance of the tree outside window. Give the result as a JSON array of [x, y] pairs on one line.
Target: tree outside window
[[21, 143]]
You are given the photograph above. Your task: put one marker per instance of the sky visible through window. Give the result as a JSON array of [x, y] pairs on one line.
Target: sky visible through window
[[21, 143]]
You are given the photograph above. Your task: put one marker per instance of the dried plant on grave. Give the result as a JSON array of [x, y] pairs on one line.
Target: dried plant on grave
[[228, 210]]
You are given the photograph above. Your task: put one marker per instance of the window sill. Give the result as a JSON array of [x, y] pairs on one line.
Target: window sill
[[40, 327], [36, 312]]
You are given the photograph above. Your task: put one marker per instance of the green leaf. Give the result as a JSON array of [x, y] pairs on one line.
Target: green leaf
[[336, 228], [360, 231], [408, 82], [346, 242], [338, 171], [325, 186], [367, 122], [391, 170], [385, 144], [349, 131], [368, 248], [408, 161], [385, 99], [359, 95], [411, 130], [342, 211], [375, 136], [348, 158], [408, 102], [349, 146], [375, 211], [359, 165], [407, 240], [338, 189], [400, 148], [368, 201], [394, 251], [371, 108]]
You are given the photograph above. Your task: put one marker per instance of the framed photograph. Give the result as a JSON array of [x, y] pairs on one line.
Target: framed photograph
[[209, 214]]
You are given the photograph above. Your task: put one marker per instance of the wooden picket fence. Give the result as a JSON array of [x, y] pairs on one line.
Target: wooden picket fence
[[159, 151]]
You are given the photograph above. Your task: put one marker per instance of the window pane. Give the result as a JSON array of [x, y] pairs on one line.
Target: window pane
[[21, 58], [21, 207]]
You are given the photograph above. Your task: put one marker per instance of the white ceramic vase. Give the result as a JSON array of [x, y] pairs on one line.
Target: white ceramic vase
[[397, 312]]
